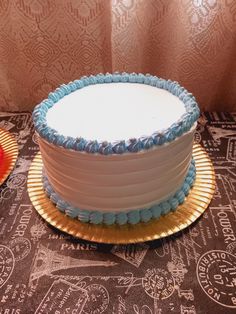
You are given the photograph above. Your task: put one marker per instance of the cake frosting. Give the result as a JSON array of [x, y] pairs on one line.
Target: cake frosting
[[117, 148]]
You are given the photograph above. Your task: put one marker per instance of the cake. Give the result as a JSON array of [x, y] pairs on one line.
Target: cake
[[117, 148]]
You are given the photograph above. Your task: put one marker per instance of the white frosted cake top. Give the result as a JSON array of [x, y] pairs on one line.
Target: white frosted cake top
[[115, 111]]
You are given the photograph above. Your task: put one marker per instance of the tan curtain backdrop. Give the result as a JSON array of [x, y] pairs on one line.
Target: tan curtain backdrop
[[44, 43]]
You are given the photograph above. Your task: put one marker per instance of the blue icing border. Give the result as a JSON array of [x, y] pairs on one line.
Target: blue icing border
[[133, 216], [132, 145]]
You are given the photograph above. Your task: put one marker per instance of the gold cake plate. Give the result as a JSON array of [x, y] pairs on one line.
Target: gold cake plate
[[193, 207], [10, 153]]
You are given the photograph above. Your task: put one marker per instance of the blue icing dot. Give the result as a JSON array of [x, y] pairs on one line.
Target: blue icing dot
[[79, 144], [186, 188], [189, 180], [66, 89], [175, 89], [192, 167], [147, 80], [43, 107], [158, 138], [60, 91], [145, 215], [100, 78], [191, 172], [37, 107], [73, 86], [121, 218], [54, 197], [165, 206], [92, 79], [147, 142], [156, 211], [173, 203], [36, 115], [180, 196], [132, 78], [44, 133], [61, 205], [116, 77], [184, 97], [92, 147], [133, 217], [96, 218], [48, 189], [140, 78], [165, 85], [59, 94], [119, 147], [38, 123], [79, 84], [105, 148], [190, 103], [85, 80], [172, 87], [43, 110], [169, 136], [71, 211], [160, 83], [153, 81], [69, 142], [179, 130], [124, 77], [109, 218], [186, 125], [55, 139], [108, 78], [48, 103], [59, 140], [134, 145], [84, 215], [54, 97]]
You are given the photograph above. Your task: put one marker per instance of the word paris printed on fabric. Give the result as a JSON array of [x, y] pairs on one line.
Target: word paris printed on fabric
[[43, 270], [46, 43]]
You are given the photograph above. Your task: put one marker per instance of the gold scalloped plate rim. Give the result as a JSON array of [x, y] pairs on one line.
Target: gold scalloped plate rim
[[10, 151], [193, 207]]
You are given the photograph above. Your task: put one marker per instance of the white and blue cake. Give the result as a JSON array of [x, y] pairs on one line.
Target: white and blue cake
[[117, 148]]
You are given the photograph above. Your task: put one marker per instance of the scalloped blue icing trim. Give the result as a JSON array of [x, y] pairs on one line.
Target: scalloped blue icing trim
[[132, 145], [121, 218]]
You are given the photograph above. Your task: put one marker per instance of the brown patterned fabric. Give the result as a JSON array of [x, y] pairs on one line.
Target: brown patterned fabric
[[44, 43]]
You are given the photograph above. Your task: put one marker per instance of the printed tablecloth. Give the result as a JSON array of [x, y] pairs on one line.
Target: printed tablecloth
[[43, 270]]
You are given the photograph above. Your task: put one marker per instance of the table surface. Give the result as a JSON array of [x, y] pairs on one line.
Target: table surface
[[43, 270]]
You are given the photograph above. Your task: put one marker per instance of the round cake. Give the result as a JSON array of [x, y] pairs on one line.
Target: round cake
[[117, 148]]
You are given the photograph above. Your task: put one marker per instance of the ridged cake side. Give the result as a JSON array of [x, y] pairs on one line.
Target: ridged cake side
[[117, 182]]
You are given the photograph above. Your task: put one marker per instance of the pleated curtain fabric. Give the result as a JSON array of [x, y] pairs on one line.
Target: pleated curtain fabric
[[44, 43]]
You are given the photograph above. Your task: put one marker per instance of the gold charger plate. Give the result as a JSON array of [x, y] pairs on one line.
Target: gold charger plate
[[10, 153], [193, 207]]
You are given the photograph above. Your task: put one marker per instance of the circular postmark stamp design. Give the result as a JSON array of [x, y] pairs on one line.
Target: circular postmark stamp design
[[231, 248], [158, 283], [16, 180], [8, 193], [98, 299], [20, 247], [35, 138], [216, 274], [7, 262], [197, 137]]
